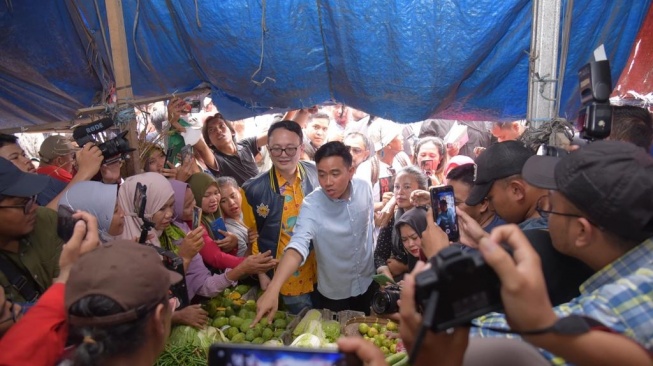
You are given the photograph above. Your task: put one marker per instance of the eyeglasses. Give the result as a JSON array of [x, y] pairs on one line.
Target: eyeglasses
[[27, 206], [545, 213], [276, 151]]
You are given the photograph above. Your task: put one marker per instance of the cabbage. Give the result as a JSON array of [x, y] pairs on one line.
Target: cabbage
[[209, 336], [183, 335], [303, 324], [331, 330], [307, 340], [315, 328], [273, 342]]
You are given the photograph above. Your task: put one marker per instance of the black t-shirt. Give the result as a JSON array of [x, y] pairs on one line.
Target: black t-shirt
[[241, 166]]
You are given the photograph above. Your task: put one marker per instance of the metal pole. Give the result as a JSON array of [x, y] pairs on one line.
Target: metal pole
[[545, 37]]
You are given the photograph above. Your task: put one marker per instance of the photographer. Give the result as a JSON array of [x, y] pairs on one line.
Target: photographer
[[39, 337], [607, 223]]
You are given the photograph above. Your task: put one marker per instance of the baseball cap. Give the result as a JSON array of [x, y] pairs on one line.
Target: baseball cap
[[17, 183], [126, 272], [382, 132], [610, 181], [55, 145], [498, 161]]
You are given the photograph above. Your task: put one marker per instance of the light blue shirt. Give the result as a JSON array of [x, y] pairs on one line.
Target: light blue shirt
[[341, 231]]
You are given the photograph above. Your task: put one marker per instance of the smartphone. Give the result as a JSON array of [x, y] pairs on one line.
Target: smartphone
[[169, 158], [65, 222], [385, 185], [197, 217], [186, 153], [216, 225], [428, 166], [382, 279], [140, 199], [225, 354], [444, 211]]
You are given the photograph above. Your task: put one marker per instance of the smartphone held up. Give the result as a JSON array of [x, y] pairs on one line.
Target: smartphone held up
[[444, 211]]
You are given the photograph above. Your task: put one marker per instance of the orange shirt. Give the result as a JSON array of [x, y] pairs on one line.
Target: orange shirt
[[304, 279]]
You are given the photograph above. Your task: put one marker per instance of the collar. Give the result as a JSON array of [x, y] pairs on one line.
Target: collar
[[276, 179], [281, 180], [628, 263]]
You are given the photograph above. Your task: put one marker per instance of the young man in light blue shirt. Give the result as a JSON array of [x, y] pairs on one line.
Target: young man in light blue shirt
[[338, 219]]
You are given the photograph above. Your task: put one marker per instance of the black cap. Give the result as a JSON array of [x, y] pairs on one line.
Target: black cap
[[16, 183], [500, 160], [610, 181]]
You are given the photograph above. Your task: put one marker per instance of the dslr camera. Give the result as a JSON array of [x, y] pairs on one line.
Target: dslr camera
[[384, 301], [112, 149], [595, 117], [462, 286]]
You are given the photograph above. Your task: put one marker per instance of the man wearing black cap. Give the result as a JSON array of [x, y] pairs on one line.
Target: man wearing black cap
[[515, 200], [605, 220], [29, 245]]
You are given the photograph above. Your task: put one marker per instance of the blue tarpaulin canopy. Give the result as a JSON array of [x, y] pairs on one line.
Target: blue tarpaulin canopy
[[402, 60]]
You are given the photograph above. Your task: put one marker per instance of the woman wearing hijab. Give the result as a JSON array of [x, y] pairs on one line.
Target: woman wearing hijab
[[217, 254], [409, 228], [390, 258], [199, 280], [101, 201]]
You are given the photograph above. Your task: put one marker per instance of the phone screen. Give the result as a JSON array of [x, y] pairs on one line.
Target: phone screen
[[218, 224], [245, 355], [427, 167], [169, 158], [444, 211], [65, 222], [385, 185], [197, 217], [186, 154], [140, 198]]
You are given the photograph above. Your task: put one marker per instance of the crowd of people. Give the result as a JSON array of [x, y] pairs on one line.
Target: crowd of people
[[344, 196]]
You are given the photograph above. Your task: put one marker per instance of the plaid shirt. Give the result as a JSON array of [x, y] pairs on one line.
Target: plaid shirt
[[620, 296]]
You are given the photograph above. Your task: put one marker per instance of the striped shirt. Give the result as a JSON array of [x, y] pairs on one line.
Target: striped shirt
[[620, 296]]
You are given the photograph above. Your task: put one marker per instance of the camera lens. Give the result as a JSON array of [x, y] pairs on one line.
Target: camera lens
[[385, 302]]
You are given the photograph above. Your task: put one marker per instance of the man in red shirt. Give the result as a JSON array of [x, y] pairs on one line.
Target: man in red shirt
[[57, 158]]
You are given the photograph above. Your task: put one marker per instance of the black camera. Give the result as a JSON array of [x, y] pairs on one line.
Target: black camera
[[595, 117], [462, 285], [385, 301], [171, 261], [112, 149]]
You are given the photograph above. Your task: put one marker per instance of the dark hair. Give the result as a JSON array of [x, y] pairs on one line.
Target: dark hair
[[205, 128], [552, 133], [439, 144], [334, 148], [632, 124], [291, 126], [105, 342], [157, 118], [320, 115], [6, 139], [463, 173], [417, 173]]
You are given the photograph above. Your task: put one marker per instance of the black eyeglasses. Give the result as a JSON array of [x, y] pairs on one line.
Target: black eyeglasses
[[276, 151], [27, 206], [545, 213]]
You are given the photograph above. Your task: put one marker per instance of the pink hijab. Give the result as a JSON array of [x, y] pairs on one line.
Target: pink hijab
[[457, 161], [158, 193]]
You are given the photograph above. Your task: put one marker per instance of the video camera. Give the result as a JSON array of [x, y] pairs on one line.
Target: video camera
[[595, 117], [457, 288], [171, 261], [112, 149]]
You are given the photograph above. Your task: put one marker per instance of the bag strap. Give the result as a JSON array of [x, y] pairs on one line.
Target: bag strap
[[25, 285]]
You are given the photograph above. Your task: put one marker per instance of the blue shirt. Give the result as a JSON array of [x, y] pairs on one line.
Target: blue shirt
[[620, 296], [341, 231], [537, 223]]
